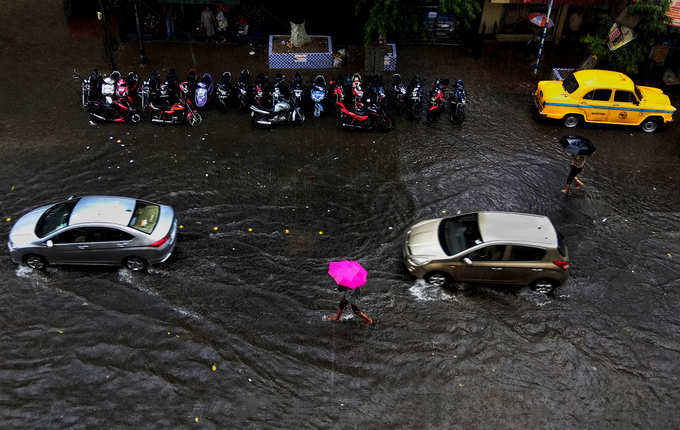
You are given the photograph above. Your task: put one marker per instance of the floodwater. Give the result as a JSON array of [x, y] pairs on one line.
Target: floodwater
[[232, 331]]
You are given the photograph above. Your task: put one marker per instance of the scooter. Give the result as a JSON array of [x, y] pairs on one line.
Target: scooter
[[149, 90], [204, 90], [224, 91], [397, 94], [357, 92], [244, 89], [438, 98], [282, 112], [373, 117], [181, 112], [414, 98], [457, 103], [110, 108], [318, 94], [296, 89]]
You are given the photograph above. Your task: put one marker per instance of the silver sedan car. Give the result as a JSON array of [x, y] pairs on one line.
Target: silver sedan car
[[95, 230]]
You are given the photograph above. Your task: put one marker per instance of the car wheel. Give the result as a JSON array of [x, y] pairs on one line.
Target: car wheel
[[136, 264], [571, 121], [650, 125], [544, 286], [35, 262], [437, 279]]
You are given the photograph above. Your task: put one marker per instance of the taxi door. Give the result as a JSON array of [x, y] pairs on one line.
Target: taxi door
[[596, 104], [625, 108]]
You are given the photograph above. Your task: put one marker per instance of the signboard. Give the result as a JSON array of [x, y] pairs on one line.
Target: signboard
[[619, 35], [300, 58]]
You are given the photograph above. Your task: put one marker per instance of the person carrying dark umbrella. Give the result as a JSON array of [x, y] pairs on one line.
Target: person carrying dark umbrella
[[577, 147]]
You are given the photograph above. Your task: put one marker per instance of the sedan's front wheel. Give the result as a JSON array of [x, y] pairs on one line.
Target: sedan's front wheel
[[136, 264], [437, 279], [36, 262]]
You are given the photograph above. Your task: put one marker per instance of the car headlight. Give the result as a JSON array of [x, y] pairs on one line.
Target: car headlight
[[419, 260]]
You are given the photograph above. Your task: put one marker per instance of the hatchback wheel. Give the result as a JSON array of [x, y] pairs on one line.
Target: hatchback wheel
[[36, 262], [544, 286], [571, 121], [650, 125], [437, 279], [136, 264]]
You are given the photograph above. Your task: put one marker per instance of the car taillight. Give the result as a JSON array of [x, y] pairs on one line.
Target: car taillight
[[561, 264], [159, 243]]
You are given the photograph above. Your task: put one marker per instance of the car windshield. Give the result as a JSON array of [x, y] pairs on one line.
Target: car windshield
[[55, 218], [638, 93], [570, 84], [459, 233], [145, 217]]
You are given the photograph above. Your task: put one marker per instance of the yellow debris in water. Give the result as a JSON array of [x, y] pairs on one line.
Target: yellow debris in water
[[12, 189], [215, 228], [196, 419], [250, 229], [8, 219], [321, 232], [444, 211], [169, 333], [117, 140], [60, 331], [214, 368], [286, 231], [181, 226]]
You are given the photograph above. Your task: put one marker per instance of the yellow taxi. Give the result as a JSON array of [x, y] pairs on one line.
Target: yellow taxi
[[603, 96]]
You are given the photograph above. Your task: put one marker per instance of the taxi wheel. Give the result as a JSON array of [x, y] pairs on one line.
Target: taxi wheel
[[571, 120], [650, 125]]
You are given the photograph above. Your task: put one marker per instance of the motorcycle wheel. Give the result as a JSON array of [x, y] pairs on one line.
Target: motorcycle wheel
[[195, 119], [386, 123], [135, 118], [299, 118]]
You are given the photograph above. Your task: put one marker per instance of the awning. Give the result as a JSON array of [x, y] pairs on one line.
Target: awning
[[674, 13]]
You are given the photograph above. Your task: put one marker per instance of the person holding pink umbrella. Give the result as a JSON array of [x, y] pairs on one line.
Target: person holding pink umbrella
[[349, 275]]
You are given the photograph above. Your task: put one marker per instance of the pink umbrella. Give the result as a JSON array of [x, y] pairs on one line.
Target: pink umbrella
[[540, 20], [349, 274]]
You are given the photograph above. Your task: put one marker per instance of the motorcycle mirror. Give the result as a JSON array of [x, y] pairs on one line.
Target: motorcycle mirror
[[49, 243]]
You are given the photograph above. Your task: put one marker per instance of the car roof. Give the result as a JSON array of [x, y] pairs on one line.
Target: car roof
[[103, 209], [604, 78], [520, 228]]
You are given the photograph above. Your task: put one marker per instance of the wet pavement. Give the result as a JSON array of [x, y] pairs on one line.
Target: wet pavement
[[232, 331]]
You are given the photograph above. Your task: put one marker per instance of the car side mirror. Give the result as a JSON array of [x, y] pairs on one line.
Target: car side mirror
[[49, 243], [467, 261]]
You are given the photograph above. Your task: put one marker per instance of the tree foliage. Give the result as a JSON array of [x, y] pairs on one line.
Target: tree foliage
[[652, 24], [386, 17]]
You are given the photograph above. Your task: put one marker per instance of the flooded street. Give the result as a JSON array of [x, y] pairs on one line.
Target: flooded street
[[232, 331]]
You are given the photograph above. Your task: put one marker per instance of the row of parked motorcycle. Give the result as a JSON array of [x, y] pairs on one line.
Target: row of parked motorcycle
[[359, 103]]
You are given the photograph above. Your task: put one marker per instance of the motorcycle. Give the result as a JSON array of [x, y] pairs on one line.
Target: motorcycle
[[457, 103], [357, 92], [373, 117], [204, 90], [437, 99], [90, 87], [318, 94], [168, 93], [149, 90], [414, 98], [283, 111], [192, 80], [397, 94], [296, 89], [179, 112], [377, 89], [244, 89], [338, 86], [259, 89], [110, 108], [224, 90]]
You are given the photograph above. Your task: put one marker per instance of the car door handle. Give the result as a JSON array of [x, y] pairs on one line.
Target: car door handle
[[536, 270], [496, 268], [83, 246]]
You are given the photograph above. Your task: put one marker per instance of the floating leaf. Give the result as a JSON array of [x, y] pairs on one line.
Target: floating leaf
[[214, 368]]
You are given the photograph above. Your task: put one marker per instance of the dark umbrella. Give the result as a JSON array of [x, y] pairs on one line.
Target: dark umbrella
[[577, 145]]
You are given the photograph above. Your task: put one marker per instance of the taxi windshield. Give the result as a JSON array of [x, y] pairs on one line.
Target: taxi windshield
[[570, 84]]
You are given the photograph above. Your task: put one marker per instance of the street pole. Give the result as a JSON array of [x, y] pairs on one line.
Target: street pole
[[108, 49], [545, 32], [142, 52]]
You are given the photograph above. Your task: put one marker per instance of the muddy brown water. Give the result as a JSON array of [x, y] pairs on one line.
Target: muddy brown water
[[108, 348]]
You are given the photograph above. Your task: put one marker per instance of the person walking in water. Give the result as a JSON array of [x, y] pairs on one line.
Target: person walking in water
[[575, 167], [350, 296]]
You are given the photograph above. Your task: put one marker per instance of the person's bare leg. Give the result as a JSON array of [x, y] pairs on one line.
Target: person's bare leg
[[579, 183], [566, 189]]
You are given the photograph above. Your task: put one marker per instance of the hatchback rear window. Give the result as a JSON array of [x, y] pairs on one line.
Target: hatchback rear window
[[55, 218], [145, 217]]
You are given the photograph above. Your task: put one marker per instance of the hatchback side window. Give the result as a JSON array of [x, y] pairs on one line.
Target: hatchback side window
[[101, 234], [624, 96], [488, 253], [75, 235], [598, 95], [526, 253]]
